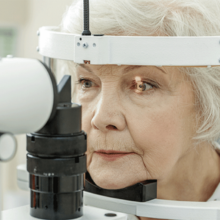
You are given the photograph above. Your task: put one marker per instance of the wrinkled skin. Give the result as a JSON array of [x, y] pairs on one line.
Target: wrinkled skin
[[156, 122]]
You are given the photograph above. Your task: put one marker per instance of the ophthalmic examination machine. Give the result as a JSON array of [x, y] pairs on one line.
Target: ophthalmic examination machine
[[32, 103]]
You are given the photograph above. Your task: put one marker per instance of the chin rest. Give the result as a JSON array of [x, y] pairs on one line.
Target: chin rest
[[140, 192]]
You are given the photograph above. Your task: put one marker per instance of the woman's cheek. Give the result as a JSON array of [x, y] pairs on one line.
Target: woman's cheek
[[88, 108], [160, 152], [158, 136], [85, 97]]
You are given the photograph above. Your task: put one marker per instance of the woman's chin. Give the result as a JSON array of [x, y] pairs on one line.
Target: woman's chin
[[109, 179], [110, 183], [117, 174]]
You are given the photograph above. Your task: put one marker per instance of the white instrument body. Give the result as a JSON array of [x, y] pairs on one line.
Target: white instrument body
[[129, 50], [26, 95], [8, 146], [89, 213], [156, 208]]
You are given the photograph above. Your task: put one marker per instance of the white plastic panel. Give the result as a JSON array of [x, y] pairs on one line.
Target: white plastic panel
[[90, 213], [55, 45], [157, 208], [23, 185], [128, 50], [22, 177], [26, 95], [8, 146]]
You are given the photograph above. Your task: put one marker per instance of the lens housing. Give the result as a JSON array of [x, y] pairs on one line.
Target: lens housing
[[56, 162]]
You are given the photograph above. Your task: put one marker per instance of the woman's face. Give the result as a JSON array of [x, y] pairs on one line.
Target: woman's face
[[148, 112]]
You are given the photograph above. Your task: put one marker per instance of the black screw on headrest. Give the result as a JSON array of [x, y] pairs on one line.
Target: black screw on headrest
[[86, 18]]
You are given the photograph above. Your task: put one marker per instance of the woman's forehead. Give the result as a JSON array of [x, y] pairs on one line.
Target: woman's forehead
[[122, 69]]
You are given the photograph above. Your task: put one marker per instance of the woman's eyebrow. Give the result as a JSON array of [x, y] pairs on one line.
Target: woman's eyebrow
[[130, 68]]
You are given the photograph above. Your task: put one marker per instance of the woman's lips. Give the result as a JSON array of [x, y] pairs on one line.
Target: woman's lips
[[111, 155]]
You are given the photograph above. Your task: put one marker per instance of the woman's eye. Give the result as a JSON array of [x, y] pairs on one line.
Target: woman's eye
[[143, 86], [86, 84]]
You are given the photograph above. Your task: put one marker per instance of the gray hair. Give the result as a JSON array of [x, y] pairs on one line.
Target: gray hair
[[162, 18]]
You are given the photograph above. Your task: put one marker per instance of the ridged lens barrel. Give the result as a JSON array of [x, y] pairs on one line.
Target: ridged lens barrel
[[56, 162], [56, 197]]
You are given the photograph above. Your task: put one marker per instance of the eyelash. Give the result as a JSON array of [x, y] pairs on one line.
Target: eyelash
[[134, 83], [79, 82]]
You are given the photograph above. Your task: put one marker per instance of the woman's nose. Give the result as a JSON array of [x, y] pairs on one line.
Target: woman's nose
[[108, 114]]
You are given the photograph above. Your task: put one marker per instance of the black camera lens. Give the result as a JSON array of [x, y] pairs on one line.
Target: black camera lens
[[56, 162]]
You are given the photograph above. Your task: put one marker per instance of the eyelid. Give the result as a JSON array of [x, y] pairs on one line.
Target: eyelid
[[81, 80], [150, 82], [154, 84], [89, 76], [151, 76]]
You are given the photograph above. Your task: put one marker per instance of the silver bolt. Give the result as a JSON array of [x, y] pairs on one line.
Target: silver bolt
[[38, 33], [78, 44], [94, 45], [9, 56], [38, 49], [85, 45]]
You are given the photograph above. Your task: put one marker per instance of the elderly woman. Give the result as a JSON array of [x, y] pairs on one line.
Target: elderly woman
[[147, 122]]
